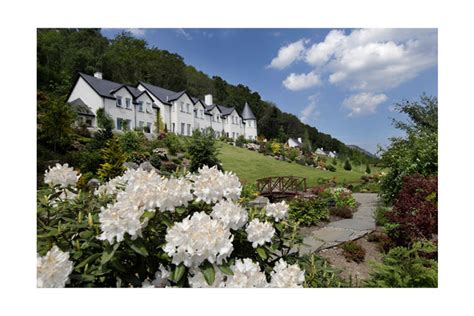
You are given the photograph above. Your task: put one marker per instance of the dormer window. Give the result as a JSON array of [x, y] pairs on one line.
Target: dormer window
[[127, 102], [118, 101]]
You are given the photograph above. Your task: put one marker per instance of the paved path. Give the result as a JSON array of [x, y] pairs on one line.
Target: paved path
[[344, 230]]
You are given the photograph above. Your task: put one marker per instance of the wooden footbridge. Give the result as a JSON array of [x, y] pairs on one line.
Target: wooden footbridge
[[277, 188]]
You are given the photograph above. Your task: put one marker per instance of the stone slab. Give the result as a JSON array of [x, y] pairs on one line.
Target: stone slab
[[354, 224], [332, 234]]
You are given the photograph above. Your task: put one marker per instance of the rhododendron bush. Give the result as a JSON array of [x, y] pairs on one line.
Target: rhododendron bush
[[145, 230]]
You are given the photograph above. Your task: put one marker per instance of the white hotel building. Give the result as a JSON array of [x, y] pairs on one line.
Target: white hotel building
[[137, 107]]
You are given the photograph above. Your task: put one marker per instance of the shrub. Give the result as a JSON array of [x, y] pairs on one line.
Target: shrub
[[132, 141], [406, 267], [331, 168], [104, 120], [347, 165], [352, 251], [415, 213], [367, 169], [113, 158], [276, 148], [173, 143], [341, 211], [138, 157], [240, 141], [168, 167], [155, 160], [309, 211], [319, 274], [203, 150], [380, 215], [293, 153], [249, 192]]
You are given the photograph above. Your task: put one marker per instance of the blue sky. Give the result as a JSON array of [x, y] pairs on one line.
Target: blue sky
[[342, 81]]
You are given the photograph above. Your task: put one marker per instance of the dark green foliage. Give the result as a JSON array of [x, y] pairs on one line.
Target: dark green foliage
[[331, 168], [309, 211], [380, 216], [353, 251], [155, 161], [104, 120], [138, 157], [240, 141], [203, 150], [367, 169], [406, 267], [347, 165], [417, 152], [132, 141], [173, 143], [113, 158], [341, 211], [318, 273]]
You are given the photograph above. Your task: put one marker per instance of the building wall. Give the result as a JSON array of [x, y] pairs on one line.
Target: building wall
[[292, 143], [82, 90], [148, 116], [165, 110], [183, 116], [251, 129], [202, 121]]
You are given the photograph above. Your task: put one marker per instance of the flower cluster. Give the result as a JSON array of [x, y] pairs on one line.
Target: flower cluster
[[232, 215], [246, 274], [259, 233], [198, 238], [285, 275], [161, 279], [339, 190], [197, 279], [61, 175], [278, 211], [53, 270], [212, 185]]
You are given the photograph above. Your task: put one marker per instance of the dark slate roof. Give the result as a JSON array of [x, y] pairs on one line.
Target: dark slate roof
[[101, 86], [247, 113], [80, 107], [225, 110], [164, 95]]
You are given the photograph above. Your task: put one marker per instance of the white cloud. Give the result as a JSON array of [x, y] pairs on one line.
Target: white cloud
[[288, 54], [363, 103], [310, 110], [374, 59], [137, 32], [183, 33], [296, 82]]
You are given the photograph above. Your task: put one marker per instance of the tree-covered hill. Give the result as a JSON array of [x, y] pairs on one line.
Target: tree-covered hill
[[62, 53]]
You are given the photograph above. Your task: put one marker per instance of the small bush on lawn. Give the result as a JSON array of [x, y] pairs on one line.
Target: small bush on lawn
[[347, 165], [341, 211], [309, 211], [331, 168], [240, 141], [173, 143], [203, 150], [249, 192], [353, 251], [138, 157], [406, 267], [415, 213], [132, 141], [367, 169]]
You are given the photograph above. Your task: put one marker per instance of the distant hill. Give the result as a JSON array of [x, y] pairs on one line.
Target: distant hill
[[362, 150]]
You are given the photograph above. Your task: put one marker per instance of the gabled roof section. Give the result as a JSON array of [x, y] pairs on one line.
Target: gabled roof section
[[80, 107], [247, 113], [164, 95], [103, 87]]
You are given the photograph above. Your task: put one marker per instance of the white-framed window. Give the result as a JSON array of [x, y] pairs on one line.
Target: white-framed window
[[149, 108], [118, 101], [182, 128], [181, 106], [149, 127], [196, 114], [187, 108], [201, 113], [119, 123], [189, 130], [218, 118], [140, 106], [127, 102]]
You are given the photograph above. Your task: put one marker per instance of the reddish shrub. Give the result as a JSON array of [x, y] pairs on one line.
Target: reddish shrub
[[415, 212]]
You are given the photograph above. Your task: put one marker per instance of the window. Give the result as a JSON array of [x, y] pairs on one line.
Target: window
[[189, 130], [232, 119], [187, 108], [196, 114], [181, 106], [173, 127], [140, 106], [173, 107], [201, 113], [148, 125], [218, 118], [148, 107], [127, 103], [182, 128], [233, 135], [118, 102], [119, 123]]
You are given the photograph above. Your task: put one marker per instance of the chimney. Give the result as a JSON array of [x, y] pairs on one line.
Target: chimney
[[208, 99], [98, 74], [299, 139]]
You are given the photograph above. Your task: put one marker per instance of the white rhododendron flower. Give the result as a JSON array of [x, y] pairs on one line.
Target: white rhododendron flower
[[278, 211], [232, 215], [173, 193], [285, 275], [161, 279], [62, 175], [197, 279], [115, 185], [259, 233], [198, 238], [212, 185], [246, 274], [53, 270]]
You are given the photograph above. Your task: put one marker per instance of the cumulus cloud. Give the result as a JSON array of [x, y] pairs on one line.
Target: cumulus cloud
[[137, 32], [288, 54], [183, 33], [296, 82], [310, 110], [363, 103]]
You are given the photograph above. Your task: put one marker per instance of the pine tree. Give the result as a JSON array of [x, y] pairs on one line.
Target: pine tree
[[114, 158], [367, 169], [347, 165]]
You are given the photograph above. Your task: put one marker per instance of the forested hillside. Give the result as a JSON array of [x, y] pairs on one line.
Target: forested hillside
[[62, 53]]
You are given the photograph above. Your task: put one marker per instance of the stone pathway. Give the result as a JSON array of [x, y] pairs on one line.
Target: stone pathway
[[344, 230]]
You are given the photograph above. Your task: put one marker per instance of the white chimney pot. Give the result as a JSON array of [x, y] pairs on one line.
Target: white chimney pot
[[98, 74], [299, 139], [208, 99]]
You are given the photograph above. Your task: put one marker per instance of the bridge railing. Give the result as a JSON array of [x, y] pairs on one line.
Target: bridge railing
[[281, 185]]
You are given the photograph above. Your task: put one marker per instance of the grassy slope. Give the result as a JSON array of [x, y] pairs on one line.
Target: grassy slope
[[250, 166]]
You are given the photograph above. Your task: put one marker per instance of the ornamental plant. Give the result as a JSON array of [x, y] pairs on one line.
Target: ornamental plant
[[141, 229]]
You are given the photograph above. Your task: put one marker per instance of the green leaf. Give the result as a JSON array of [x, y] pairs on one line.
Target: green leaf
[[85, 234], [207, 270], [262, 253], [109, 253], [138, 246], [178, 273], [90, 259], [226, 270]]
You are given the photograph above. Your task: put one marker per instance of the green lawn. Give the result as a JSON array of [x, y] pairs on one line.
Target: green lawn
[[250, 166]]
